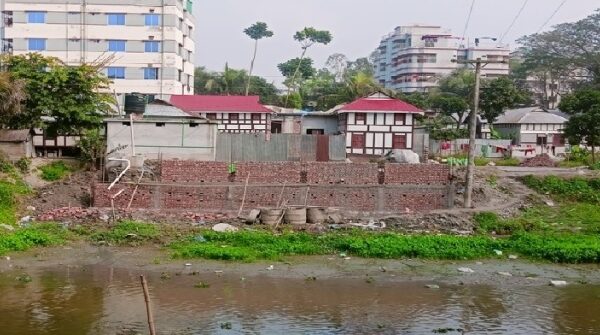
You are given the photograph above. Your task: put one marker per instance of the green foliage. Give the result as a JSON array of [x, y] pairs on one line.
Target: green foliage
[[294, 100], [584, 123], [9, 192], [564, 248], [12, 95], [310, 36], [575, 189], [42, 235], [54, 171], [93, 146], [304, 67], [258, 31], [127, 233], [451, 106], [496, 96], [23, 164], [70, 94]]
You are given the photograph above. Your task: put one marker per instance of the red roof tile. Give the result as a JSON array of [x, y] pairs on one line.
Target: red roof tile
[[372, 104], [218, 103]]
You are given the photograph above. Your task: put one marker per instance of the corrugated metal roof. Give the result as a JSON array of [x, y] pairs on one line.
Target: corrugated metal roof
[[19, 135], [219, 103], [530, 115], [160, 110]]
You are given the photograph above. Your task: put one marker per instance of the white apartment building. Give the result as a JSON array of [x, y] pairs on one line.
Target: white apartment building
[[149, 43], [414, 58]]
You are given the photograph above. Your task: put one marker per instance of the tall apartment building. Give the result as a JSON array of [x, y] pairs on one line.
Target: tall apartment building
[[414, 58], [149, 42]]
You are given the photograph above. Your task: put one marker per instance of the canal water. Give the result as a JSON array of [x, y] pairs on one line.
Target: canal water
[[102, 299]]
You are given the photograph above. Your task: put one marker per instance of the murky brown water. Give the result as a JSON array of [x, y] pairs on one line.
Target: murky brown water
[[99, 299]]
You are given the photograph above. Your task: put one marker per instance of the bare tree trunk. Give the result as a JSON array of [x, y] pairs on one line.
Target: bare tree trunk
[[251, 67], [470, 177], [294, 77]]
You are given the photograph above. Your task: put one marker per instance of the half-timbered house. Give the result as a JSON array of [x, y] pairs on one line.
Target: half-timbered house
[[234, 114], [377, 123]]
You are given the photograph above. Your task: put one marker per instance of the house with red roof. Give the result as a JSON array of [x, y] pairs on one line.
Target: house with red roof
[[234, 114], [376, 124]]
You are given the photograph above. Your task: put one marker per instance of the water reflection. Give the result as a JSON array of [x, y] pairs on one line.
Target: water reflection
[[104, 300]]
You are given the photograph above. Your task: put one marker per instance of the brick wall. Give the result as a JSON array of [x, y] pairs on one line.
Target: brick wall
[[369, 187]]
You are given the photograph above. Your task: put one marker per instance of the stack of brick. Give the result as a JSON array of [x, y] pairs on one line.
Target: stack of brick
[[539, 161]]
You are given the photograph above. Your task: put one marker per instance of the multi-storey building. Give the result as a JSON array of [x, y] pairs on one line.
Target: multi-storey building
[[145, 46], [414, 58]]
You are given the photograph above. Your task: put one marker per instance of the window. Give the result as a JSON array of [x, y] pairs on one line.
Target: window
[[151, 46], [116, 45], [399, 142], [151, 20], [542, 140], [151, 73], [115, 72], [361, 117], [255, 117], [358, 141], [37, 44], [193, 125], [211, 116], [116, 19], [400, 118], [36, 17], [160, 124], [234, 116]]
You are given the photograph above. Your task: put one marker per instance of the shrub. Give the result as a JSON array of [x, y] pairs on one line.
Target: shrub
[[23, 164], [55, 171], [576, 189]]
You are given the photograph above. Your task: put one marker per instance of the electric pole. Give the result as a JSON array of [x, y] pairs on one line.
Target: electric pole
[[470, 178]]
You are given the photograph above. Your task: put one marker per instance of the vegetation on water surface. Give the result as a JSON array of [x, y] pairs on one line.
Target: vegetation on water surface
[[55, 171]]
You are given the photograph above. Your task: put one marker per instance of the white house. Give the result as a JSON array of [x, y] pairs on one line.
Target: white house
[[234, 114], [377, 123]]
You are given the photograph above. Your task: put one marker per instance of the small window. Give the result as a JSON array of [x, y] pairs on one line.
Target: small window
[[115, 72], [116, 45], [234, 116], [152, 20], [151, 46], [256, 117], [193, 125], [36, 17], [400, 118], [116, 19], [127, 124], [37, 44], [160, 124], [399, 142], [361, 117], [150, 73], [211, 116]]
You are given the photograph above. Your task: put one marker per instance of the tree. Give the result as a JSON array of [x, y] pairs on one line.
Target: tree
[[257, 31], [297, 66], [460, 83], [12, 96], [337, 64], [496, 96], [233, 82], [72, 95], [308, 37], [584, 123], [452, 106], [574, 46]]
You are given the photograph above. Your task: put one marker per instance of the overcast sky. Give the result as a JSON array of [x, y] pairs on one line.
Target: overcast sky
[[357, 25]]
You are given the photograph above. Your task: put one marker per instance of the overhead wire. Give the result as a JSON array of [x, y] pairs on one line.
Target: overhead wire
[[512, 24], [468, 19], [551, 16]]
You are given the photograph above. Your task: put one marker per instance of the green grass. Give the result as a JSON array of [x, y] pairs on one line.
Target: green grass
[[42, 235], [480, 161], [573, 189], [9, 199], [55, 171], [126, 233]]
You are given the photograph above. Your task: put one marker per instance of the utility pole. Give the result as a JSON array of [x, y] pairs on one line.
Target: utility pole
[[470, 178]]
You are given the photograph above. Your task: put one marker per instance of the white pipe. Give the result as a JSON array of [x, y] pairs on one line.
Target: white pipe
[[122, 173], [132, 135]]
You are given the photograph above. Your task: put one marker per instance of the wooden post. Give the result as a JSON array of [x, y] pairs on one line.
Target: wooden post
[[148, 308], [244, 197]]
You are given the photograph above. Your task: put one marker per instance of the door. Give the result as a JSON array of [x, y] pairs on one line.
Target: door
[[358, 141], [322, 148], [399, 142]]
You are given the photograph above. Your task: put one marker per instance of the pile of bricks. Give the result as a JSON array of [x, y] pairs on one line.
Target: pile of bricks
[[65, 213], [539, 161]]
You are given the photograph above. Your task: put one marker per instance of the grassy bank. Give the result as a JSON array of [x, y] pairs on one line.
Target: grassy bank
[[42, 235]]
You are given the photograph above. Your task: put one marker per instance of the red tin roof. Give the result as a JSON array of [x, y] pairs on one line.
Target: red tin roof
[[381, 104], [219, 103]]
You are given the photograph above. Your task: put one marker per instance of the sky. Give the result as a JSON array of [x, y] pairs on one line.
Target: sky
[[357, 25]]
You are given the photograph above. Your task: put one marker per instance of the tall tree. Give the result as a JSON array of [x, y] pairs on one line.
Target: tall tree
[[307, 38], [72, 95], [337, 64], [233, 82], [257, 31], [12, 96], [451, 106], [302, 67], [584, 123], [496, 96]]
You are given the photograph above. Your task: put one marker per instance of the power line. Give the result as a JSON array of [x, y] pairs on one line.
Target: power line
[[551, 16], [513, 21], [468, 19]]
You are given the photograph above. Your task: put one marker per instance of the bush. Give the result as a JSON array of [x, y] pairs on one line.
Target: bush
[[576, 189], [23, 164], [38, 235], [55, 171]]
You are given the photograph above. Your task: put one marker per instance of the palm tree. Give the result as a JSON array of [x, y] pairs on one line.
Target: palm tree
[[257, 31], [12, 94]]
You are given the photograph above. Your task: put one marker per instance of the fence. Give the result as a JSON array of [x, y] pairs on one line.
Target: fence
[[280, 147], [483, 147]]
